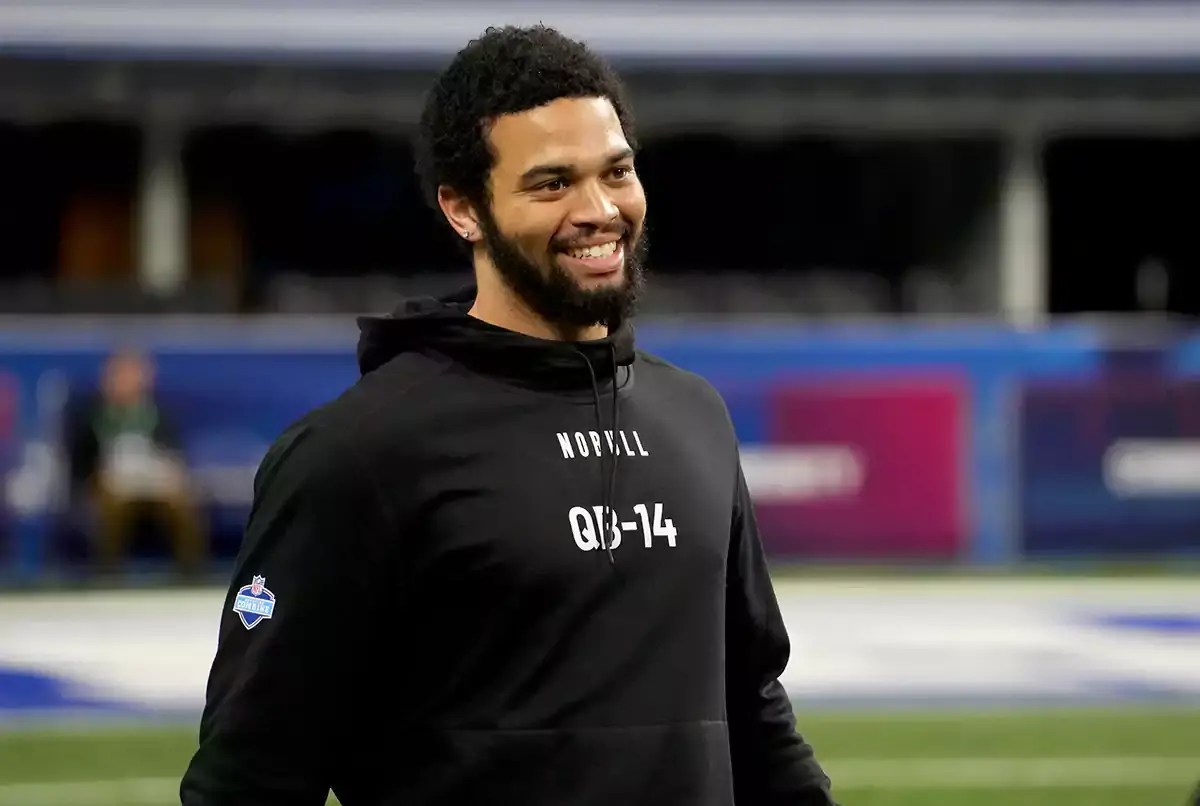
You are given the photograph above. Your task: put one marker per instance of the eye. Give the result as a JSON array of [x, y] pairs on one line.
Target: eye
[[554, 185], [622, 171]]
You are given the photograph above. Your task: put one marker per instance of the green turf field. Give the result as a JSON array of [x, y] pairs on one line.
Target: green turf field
[[1075, 757]]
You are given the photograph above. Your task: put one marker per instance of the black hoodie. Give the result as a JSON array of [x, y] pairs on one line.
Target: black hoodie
[[425, 610]]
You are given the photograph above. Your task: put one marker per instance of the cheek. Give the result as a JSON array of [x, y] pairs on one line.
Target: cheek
[[633, 205], [535, 227], [536, 244], [531, 234]]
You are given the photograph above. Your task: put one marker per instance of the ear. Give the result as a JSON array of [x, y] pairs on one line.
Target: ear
[[460, 213]]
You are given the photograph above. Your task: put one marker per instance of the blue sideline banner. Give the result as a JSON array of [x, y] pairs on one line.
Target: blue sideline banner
[[1109, 466]]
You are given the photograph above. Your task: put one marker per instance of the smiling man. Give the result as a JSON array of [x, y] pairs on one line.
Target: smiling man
[[517, 562], [557, 222]]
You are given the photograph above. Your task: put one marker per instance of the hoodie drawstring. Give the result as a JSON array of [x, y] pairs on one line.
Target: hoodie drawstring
[[612, 446], [607, 490]]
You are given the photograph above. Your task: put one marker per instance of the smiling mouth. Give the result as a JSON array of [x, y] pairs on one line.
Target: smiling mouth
[[600, 259], [594, 252]]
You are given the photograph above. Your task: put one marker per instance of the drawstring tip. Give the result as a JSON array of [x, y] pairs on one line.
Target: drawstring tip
[[611, 561]]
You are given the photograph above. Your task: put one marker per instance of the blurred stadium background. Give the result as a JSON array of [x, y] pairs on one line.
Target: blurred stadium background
[[930, 252]]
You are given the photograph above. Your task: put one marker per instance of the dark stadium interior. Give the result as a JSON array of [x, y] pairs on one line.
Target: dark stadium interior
[[302, 196]]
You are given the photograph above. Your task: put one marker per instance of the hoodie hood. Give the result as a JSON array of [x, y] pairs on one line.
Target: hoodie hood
[[442, 324]]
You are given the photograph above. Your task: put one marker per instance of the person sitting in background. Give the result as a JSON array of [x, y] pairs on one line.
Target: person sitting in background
[[125, 464]]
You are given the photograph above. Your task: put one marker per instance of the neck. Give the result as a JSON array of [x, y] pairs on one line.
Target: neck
[[496, 304]]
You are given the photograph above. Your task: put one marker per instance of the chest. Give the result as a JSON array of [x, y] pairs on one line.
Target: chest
[[517, 504]]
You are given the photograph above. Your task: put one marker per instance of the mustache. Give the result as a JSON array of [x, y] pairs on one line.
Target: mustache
[[622, 230]]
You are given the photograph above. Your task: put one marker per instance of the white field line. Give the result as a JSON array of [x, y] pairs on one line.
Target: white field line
[[132, 791], [1000, 773], [847, 774]]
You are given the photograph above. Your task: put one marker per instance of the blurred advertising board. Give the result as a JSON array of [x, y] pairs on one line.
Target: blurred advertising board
[[9, 403], [872, 467], [1110, 465]]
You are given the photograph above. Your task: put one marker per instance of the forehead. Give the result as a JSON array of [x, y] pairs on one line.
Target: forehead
[[566, 131]]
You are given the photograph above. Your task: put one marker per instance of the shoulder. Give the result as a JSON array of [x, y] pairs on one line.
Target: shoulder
[[672, 372], [309, 454], [337, 440], [399, 394], [664, 374]]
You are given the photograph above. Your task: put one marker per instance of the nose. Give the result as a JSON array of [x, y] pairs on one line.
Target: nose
[[595, 207]]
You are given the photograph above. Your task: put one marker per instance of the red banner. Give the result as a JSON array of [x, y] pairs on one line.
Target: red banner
[[863, 468]]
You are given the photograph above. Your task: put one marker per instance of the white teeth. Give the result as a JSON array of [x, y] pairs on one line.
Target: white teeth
[[603, 250]]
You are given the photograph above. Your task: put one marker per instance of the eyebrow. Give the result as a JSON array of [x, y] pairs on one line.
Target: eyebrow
[[563, 169]]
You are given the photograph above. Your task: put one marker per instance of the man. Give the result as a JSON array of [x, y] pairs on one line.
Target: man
[[516, 563], [125, 465]]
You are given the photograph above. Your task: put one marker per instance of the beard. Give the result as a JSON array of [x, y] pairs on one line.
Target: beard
[[554, 294]]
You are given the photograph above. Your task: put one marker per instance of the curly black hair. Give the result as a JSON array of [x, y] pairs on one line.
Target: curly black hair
[[507, 70]]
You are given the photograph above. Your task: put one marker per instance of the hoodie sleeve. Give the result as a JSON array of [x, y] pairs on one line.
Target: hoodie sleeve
[[772, 764], [271, 723]]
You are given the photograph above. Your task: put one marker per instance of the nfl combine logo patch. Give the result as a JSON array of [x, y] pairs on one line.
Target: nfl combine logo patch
[[254, 602]]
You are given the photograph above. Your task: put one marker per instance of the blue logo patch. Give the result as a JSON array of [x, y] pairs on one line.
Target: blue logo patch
[[254, 602]]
